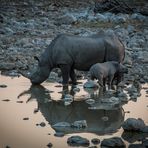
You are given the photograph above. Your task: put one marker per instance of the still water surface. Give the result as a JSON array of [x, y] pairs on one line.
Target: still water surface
[[46, 99]]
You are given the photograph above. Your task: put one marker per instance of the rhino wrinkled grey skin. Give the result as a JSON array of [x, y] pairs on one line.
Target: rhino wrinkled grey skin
[[69, 52], [107, 71]]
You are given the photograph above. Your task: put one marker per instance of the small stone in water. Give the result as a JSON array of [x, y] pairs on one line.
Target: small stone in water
[[59, 134], [26, 118], [49, 145], [42, 124], [19, 101], [105, 118], [90, 101], [127, 112], [3, 86], [6, 100], [58, 86], [95, 141]]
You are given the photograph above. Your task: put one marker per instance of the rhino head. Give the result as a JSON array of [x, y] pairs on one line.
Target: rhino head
[[41, 73]]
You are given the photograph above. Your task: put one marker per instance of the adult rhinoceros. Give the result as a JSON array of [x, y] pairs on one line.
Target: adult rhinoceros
[[69, 52]]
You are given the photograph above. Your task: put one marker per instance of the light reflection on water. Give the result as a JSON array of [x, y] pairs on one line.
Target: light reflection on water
[[18, 133]]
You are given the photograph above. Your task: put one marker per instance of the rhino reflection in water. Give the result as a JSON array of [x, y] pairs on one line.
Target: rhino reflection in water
[[69, 52], [55, 112]]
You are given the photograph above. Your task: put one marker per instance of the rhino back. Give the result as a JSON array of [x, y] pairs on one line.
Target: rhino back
[[82, 52]]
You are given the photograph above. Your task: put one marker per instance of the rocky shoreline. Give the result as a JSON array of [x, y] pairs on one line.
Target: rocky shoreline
[[26, 30]]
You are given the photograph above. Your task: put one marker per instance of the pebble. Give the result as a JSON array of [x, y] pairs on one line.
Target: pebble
[[95, 141], [49, 145], [6, 100], [19, 101], [42, 124], [59, 134], [3, 86], [26, 118], [78, 141]]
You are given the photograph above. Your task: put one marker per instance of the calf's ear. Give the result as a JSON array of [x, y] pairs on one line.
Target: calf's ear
[[36, 58]]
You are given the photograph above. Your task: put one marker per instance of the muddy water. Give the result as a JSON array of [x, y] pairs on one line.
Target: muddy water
[[44, 104]]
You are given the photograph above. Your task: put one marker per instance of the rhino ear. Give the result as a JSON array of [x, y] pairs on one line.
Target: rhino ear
[[36, 58]]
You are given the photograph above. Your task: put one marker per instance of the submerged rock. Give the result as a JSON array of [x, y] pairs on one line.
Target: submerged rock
[[49, 145], [6, 100], [113, 142], [145, 142], [61, 124], [90, 84], [26, 118], [78, 141], [132, 124], [3, 86], [42, 124], [59, 134], [95, 141], [90, 101], [79, 124], [136, 146]]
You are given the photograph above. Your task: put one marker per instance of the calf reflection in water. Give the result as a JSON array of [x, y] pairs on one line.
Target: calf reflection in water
[[98, 121]]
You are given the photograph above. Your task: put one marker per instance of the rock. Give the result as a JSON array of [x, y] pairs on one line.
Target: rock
[[105, 118], [113, 142], [53, 76], [68, 97], [7, 66], [61, 124], [6, 100], [145, 129], [42, 124], [118, 19], [79, 124], [95, 141], [90, 101], [90, 84], [66, 19], [123, 96], [132, 90], [145, 142], [128, 58], [26, 118], [7, 146], [132, 124], [49, 145], [76, 89], [110, 100], [19, 101], [102, 18], [59, 134], [3, 86], [137, 16], [136, 146], [78, 141], [130, 28], [132, 137]]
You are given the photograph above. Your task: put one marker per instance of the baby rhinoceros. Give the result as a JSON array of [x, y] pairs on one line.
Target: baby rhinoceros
[[107, 71]]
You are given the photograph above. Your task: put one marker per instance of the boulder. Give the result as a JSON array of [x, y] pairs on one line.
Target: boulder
[[78, 141], [132, 124], [113, 142]]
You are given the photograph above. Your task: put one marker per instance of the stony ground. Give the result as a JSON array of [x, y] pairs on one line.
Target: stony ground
[[28, 27]]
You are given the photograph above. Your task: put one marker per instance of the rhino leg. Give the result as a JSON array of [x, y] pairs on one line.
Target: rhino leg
[[110, 80], [65, 69], [73, 76]]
